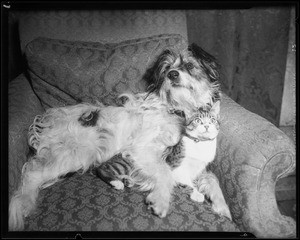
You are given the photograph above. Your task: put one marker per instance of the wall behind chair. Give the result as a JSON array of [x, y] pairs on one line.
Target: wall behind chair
[[15, 60], [100, 25], [288, 106], [251, 46]]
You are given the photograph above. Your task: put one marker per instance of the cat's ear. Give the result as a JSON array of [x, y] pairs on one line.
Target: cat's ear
[[215, 109]]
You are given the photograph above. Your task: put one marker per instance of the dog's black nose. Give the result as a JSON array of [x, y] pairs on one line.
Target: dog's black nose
[[173, 75]]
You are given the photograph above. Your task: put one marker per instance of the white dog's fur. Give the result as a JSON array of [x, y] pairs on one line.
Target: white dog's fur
[[73, 138]]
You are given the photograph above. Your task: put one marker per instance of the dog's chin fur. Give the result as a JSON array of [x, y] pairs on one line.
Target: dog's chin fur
[[73, 138], [186, 98]]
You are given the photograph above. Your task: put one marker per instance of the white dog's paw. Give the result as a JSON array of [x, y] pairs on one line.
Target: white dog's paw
[[221, 208], [117, 184], [157, 204], [197, 196]]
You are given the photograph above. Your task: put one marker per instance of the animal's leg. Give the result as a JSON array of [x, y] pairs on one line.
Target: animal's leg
[[38, 173], [24, 199], [209, 185], [22, 203], [181, 178], [157, 169], [160, 197], [197, 196]]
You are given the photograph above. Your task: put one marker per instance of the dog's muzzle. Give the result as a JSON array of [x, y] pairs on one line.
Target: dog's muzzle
[[173, 75]]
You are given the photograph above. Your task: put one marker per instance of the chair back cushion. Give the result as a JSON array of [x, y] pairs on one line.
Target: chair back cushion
[[68, 72]]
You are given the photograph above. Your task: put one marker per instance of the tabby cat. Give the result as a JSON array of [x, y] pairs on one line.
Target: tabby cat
[[188, 160], [116, 172]]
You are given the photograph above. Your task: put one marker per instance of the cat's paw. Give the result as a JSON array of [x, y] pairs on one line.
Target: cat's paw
[[117, 184], [197, 196], [159, 206], [128, 182], [221, 208], [126, 155]]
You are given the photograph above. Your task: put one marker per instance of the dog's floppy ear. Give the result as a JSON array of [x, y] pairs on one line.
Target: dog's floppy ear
[[208, 61]]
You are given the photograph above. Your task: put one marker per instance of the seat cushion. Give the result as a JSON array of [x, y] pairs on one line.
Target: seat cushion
[[68, 72], [86, 203]]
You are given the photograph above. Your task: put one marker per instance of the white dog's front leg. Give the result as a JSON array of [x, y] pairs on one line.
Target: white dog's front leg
[[159, 198], [151, 163]]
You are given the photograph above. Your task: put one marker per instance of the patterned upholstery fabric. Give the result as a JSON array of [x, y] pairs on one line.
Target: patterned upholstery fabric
[[86, 203], [251, 155], [65, 72]]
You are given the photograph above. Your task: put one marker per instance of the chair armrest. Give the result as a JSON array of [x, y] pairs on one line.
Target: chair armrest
[[252, 154], [23, 105]]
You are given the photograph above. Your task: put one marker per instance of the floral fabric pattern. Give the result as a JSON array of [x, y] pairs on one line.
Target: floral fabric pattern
[[248, 176], [86, 203], [64, 72]]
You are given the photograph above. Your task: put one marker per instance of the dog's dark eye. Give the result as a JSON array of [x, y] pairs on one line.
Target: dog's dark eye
[[87, 117], [189, 66]]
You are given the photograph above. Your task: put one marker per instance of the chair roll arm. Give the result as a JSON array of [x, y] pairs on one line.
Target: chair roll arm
[[23, 106], [252, 154]]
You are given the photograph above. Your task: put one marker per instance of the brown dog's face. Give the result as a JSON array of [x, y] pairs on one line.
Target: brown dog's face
[[187, 80]]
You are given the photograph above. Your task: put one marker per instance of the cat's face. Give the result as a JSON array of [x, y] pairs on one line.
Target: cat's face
[[205, 125]]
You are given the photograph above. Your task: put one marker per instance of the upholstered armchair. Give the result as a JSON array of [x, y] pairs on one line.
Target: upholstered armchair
[[92, 55]]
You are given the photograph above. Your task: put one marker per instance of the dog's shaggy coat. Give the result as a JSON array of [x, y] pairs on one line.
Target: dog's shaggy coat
[[73, 138]]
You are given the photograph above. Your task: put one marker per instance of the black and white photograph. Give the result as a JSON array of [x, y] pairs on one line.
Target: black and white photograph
[[148, 119]]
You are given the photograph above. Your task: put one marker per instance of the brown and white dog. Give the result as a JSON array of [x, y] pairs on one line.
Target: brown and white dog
[[74, 138]]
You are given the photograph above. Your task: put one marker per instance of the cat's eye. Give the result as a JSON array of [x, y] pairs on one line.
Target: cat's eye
[[189, 66], [213, 120], [197, 120]]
